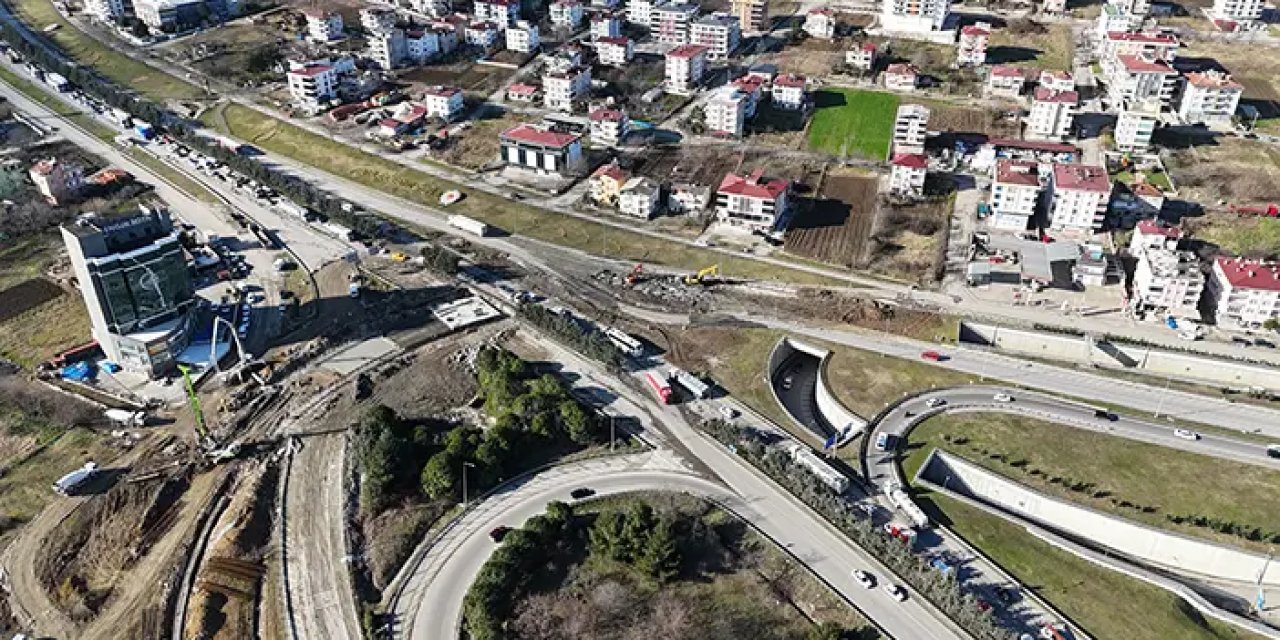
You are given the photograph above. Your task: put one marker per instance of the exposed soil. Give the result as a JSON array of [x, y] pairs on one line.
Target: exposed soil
[[836, 227], [28, 295]]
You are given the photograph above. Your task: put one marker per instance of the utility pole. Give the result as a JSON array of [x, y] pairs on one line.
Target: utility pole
[[1160, 405], [1261, 601], [465, 464], [611, 433]]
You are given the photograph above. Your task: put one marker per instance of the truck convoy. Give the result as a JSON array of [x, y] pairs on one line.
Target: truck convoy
[[829, 476], [68, 484], [660, 387], [624, 342]]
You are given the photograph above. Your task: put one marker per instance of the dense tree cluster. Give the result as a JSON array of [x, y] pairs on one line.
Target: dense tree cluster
[[440, 260], [638, 538], [387, 448], [592, 344]]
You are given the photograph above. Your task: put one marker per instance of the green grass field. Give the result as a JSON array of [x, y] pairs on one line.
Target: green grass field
[[130, 73], [371, 171], [1255, 236], [24, 489], [851, 122], [1134, 480]]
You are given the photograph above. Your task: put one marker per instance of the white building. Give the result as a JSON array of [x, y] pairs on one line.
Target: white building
[[1078, 197], [641, 11], [1057, 80], [523, 37], [685, 66], [1052, 113], [910, 127], [718, 32], [751, 201], [669, 23], [1015, 194], [433, 8], [1004, 81], [972, 51], [169, 15], [312, 85], [323, 26], [1111, 19], [503, 12], [1164, 279], [1139, 8], [789, 92], [913, 16], [567, 56], [421, 45], [608, 127], [820, 23], [388, 49], [907, 175], [863, 58], [1053, 7], [1136, 124], [639, 198], [542, 149], [377, 19], [1210, 98], [606, 25], [483, 34], [1141, 77], [566, 14], [1246, 293], [565, 90], [725, 112], [445, 103], [108, 10], [1156, 44], [752, 90], [614, 52], [901, 76], [1245, 11]]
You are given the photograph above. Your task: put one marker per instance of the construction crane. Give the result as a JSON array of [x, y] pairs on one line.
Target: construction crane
[[702, 276], [210, 447], [634, 277]]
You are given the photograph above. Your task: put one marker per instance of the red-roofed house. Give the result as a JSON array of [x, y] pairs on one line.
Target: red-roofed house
[[614, 52], [862, 58], [1015, 194], [1057, 80], [685, 65], [608, 126], [1051, 114], [972, 51], [751, 201], [1141, 77], [312, 84], [1209, 97], [520, 92], [788, 92], [1006, 81], [752, 89], [908, 173], [1078, 197], [605, 184], [541, 149], [443, 102], [1160, 46], [1149, 234], [1246, 292], [901, 76]]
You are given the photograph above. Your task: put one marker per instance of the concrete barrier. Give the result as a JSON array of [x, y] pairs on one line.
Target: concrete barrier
[[1175, 552], [847, 423]]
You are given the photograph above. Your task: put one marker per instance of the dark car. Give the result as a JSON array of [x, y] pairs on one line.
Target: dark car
[[1105, 415], [581, 492], [499, 533]]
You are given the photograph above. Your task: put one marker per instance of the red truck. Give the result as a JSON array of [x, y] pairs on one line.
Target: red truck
[[660, 387]]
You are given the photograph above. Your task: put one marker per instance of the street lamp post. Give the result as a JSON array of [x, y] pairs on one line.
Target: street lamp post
[[1160, 405], [611, 434], [465, 464]]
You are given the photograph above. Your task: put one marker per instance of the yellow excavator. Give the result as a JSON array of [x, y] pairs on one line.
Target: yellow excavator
[[704, 276]]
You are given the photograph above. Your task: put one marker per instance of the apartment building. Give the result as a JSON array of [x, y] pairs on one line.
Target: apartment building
[[1165, 279], [913, 16], [108, 10], [862, 58], [1052, 113], [323, 26], [1239, 11], [639, 198], [609, 127], [725, 112], [483, 34], [670, 23], [388, 49], [641, 11], [972, 50], [504, 13], [1245, 293], [605, 184], [421, 45], [1015, 194], [718, 32], [566, 14], [312, 85], [1078, 197], [542, 148], [752, 201], [1004, 81], [564, 90], [523, 37], [901, 76], [820, 23], [1057, 80], [685, 66], [614, 52], [1136, 124], [1141, 77], [377, 19], [910, 127], [523, 93], [788, 92], [1210, 98], [1157, 45], [753, 15], [606, 25], [752, 89], [432, 8], [1111, 19], [1139, 8], [907, 174], [445, 103]]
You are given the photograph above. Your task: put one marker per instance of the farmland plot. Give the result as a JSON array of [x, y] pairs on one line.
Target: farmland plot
[[837, 227]]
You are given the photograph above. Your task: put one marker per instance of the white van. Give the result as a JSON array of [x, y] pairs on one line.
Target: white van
[[884, 441]]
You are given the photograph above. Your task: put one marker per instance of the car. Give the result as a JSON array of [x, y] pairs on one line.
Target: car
[[935, 402], [582, 492], [1186, 434], [982, 605], [896, 592], [867, 508], [786, 383], [864, 579], [499, 532], [1105, 415], [1273, 451], [1002, 397], [728, 412], [934, 356], [1259, 342]]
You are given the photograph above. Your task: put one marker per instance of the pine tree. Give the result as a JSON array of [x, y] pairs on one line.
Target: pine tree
[[659, 558]]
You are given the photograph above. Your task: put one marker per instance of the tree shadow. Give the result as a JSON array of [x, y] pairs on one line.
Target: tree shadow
[[1011, 54]]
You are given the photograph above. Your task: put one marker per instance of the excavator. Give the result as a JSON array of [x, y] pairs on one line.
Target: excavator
[[212, 449], [704, 276]]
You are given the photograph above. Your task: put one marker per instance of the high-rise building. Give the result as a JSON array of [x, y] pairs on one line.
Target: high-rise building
[[753, 15], [913, 16], [136, 285]]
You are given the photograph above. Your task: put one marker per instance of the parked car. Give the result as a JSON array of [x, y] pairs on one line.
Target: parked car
[[582, 492], [864, 579], [1002, 397], [1186, 434], [896, 592]]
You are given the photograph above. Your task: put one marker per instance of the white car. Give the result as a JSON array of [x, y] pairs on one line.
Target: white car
[[1002, 397], [896, 592], [1186, 434], [864, 579], [935, 402]]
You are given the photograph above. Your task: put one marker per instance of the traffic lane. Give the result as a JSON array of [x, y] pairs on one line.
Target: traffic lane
[[798, 397], [439, 612]]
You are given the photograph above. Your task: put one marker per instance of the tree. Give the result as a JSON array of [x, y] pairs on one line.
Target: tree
[[658, 557], [578, 424], [1271, 324], [440, 475], [606, 537], [825, 631]]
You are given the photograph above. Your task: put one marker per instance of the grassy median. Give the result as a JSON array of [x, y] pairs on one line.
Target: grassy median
[[278, 137]]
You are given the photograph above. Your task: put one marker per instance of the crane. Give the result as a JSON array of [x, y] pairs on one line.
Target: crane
[[201, 430], [701, 276]]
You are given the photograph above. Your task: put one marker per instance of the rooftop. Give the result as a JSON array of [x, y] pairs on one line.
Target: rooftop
[[1033, 145], [1045, 94], [45, 167], [533, 134], [1146, 190], [1146, 64], [1017, 172], [911, 160], [1153, 228], [611, 170], [1142, 36], [1082, 177], [1008, 71], [442, 92], [869, 46], [520, 88], [687, 51], [311, 70], [901, 69], [1213, 79], [789, 80], [974, 30], [1250, 274], [611, 115], [616, 40], [753, 185]]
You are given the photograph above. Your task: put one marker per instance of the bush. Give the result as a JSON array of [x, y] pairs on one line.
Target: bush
[[592, 344], [440, 260]]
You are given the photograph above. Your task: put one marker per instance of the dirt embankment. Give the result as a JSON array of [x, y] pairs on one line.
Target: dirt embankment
[[90, 553]]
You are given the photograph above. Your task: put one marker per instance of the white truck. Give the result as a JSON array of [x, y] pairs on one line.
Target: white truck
[[123, 418], [624, 342], [691, 383], [67, 485], [829, 476], [903, 502], [470, 225]]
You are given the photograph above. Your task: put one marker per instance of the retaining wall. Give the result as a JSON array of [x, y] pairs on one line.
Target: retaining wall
[[846, 423]]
